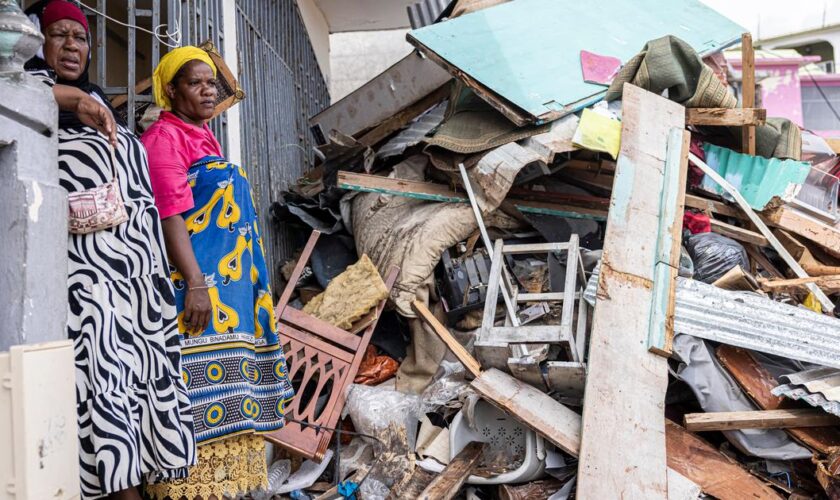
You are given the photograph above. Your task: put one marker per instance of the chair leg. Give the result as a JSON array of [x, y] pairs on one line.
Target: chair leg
[[301, 263]]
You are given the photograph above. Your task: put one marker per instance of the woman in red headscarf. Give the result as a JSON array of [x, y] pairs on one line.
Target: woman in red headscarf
[[134, 414]]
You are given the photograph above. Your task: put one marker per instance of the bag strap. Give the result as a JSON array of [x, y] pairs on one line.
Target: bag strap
[[113, 162]]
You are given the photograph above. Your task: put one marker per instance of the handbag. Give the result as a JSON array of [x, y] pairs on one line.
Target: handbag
[[97, 208]]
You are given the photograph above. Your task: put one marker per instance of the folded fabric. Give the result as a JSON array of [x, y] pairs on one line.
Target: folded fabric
[[669, 63]]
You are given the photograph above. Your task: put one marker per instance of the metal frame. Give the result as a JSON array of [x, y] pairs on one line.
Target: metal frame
[[494, 342]]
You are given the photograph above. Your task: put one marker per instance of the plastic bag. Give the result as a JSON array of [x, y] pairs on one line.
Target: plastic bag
[[375, 410], [277, 475], [375, 368], [713, 255]]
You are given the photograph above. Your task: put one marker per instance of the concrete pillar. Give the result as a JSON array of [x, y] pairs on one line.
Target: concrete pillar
[[33, 227], [234, 121]]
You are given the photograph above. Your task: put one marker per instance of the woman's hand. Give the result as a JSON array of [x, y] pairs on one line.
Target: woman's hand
[[197, 310], [93, 114]]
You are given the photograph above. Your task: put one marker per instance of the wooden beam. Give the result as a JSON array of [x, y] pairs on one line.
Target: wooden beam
[[747, 91], [717, 474], [712, 206], [534, 408], [808, 227], [739, 233], [623, 442], [469, 362], [446, 485], [829, 284], [725, 117], [757, 383], [430, 191], [766, 419]]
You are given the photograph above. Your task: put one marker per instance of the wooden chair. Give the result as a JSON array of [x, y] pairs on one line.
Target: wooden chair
[[324, 360]]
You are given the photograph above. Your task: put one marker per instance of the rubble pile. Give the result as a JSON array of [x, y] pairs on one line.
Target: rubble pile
[[603, 274]]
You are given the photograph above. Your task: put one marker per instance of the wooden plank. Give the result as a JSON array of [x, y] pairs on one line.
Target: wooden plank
[[725, 117], [623, 441], [766, 419], [712, 206], [403, 84], [739, 233], [668, 243], [538, 334], [548, 418], [540, 297], [808, 227], [451, 342], [747, 91], [755, 254], [757, 383], [411, 488], [446, 485], [534, 248], [829, 284], [429, 191], [823, 299], [535, 490], [717, 474]]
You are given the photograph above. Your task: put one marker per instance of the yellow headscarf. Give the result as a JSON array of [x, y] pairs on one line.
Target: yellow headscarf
[[169, 66]]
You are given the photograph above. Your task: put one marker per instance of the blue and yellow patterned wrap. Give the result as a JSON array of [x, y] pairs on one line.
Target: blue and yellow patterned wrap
[[235, 370]]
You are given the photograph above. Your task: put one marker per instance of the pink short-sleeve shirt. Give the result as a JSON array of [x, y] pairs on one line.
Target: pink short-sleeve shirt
[[172, 146]]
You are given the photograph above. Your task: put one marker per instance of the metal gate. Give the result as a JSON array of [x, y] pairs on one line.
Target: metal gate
[[199, 21], [284, 84]]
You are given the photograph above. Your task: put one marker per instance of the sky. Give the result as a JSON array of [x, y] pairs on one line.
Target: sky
[[770, 18]]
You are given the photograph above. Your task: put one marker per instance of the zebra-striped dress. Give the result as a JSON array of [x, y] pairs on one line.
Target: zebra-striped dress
[[135, 420]]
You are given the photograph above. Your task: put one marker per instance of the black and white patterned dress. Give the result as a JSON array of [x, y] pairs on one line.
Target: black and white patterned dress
[[135, 420]]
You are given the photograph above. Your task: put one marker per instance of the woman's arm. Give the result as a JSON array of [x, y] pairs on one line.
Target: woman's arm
[[90, 111], [197, 306]]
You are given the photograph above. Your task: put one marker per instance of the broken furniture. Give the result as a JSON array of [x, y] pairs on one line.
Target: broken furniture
[[322, 362], [504, 436], [493, 343]]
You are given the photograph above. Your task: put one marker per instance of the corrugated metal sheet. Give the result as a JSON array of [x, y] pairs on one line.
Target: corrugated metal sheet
[[750, 321], [758, 179], [426, 12], [819, 387], [414, 133]]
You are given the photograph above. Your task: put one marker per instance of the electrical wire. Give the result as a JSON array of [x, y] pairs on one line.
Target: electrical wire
[[175, 35]]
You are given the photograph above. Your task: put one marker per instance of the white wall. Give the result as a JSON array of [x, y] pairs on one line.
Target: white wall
[[357, 57], [319, 34]]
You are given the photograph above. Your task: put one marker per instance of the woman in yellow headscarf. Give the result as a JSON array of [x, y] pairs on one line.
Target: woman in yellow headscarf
[[232, 361]]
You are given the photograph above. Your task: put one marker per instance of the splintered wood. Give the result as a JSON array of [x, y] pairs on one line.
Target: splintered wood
[[623, 434], [717, 474]]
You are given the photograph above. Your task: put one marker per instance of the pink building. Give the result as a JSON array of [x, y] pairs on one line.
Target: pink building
[[791, 86]]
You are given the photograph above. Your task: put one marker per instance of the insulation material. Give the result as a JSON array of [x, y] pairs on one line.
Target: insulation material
[[350, 295]]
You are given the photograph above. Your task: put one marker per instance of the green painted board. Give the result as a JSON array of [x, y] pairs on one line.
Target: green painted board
[[528, 51]]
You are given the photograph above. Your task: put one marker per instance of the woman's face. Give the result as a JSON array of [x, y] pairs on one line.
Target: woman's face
[[66, 48], [193, 93]]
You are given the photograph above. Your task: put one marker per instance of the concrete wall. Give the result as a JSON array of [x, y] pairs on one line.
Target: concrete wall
[[33, 248], [357, 57]]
